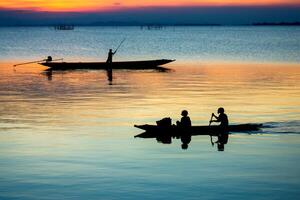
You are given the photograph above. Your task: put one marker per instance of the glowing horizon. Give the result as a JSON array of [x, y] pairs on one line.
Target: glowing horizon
[[106, 5]]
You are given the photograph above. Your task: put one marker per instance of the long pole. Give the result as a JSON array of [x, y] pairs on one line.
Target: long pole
[[36, 62], [29, 62], [120, 45]]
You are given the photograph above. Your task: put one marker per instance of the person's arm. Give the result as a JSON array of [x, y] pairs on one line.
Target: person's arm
[[182, 120], [190, 122], [216, 117]]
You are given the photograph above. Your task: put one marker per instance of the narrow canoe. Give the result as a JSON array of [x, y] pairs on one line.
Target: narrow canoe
[[154, 130], [146, 64]]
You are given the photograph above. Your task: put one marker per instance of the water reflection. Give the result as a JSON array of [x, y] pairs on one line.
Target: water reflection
[[166, 136], [109, 72], [250, 93], [78, 128], [48, 73]]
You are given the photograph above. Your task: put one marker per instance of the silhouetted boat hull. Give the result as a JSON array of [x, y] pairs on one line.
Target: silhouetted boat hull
[[147, 64], [154, 130]]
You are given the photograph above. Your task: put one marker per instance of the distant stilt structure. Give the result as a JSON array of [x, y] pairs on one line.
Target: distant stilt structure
[[152, 27], [64, 27]]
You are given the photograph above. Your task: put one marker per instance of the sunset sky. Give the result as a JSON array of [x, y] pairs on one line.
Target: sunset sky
[[100, 5], [24, 12]]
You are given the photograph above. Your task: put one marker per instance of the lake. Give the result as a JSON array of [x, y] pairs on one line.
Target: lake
[[70, 134]]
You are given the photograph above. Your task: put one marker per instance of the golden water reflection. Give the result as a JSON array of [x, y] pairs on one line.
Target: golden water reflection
[[83, 100]]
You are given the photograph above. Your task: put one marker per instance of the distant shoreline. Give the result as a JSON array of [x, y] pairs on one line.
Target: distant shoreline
[[277, 24], [153, 25]]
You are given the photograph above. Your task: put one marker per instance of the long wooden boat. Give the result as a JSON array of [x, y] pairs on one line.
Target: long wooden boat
[[146, 64], [214, 130]]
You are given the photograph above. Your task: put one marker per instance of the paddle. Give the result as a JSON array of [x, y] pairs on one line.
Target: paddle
[[212, 115]]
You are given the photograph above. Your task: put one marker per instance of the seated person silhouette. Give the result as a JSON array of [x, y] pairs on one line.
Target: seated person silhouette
[[185, 123], [223, 128]]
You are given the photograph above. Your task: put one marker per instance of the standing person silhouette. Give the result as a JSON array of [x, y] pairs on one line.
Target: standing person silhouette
[[110, 56], [111, 53], [109, 63]]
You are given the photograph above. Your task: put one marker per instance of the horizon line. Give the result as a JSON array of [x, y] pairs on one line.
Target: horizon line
[[138, 24], [113, 9]]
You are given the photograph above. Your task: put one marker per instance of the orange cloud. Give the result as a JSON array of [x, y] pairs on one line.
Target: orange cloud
[[92, 5]]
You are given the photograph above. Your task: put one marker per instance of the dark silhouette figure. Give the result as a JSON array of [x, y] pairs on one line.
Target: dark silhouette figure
[[109, 65], [109, 75], [48, 59], [110, 56], [165, 137], [223, 128], [186, 138], [185, 125], [185, 121]]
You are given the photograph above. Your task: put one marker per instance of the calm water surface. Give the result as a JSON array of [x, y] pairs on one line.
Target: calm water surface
[[71, 135], [250, 44]]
